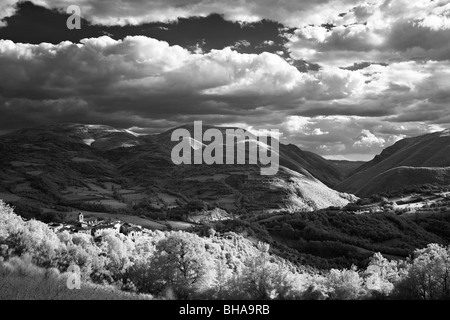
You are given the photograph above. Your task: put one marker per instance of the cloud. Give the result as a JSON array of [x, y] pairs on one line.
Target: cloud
[[394, 138], [123, 12], [318, 132], [150, 79], [383, 31], [268, 43], [367, 140], [241, 43], [7, 9], [296, 124], [143, 82]]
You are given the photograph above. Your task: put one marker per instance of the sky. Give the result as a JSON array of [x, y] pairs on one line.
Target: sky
[[344, 79]]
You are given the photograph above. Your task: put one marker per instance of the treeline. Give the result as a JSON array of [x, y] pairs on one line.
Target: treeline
[[427, 189], [436, 223], [335, 239]]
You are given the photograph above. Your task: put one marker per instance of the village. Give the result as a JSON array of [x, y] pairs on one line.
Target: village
[[95, 227]]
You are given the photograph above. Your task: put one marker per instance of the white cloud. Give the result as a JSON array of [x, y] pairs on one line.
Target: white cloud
[[241, 44], [7, 9], [394, 138], [318, 132], [324, 147], [387, 31], [296, 123], [367, 140], [268, 42]]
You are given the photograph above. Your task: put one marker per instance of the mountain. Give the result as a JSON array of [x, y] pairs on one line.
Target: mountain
[[296, 159], [290, 157], [100, 137], [409, 162], [101, 169]]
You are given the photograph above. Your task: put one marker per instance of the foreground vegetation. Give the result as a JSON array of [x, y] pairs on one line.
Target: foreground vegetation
[[20, 279], [182, 265]]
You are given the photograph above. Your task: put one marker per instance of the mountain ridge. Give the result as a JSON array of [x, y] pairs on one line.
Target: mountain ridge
[[429, 152]]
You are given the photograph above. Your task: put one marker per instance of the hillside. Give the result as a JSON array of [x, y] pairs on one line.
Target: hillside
[[399, 177], [346, 167], [294, 158], [291, 157], [396, 166], [60, 169]]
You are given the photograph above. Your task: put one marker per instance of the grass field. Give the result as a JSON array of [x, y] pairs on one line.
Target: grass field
[[180, 225], [115, 204], [20, 280]]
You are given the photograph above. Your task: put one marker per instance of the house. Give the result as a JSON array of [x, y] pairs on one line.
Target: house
[[131, 230], [117, 225], [85, 230], [92, 222], [80, 224], [56, 226], [98, 230], [66, 228]]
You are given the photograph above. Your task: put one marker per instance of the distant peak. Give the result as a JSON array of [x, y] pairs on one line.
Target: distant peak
[[445, 133]]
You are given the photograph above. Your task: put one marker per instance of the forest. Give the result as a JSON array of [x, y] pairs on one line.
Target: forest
[[182, 265]]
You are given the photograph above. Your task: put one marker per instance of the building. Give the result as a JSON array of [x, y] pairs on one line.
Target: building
[[85, 230], [97, 231], [131, 230], [81, 223], [56, 226]]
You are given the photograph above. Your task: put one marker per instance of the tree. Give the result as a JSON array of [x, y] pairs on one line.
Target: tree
[[386, 273], [344, 284], [181, 263], [119, 250], [211, 232], [265, 278], [221, 280], [428, 276]]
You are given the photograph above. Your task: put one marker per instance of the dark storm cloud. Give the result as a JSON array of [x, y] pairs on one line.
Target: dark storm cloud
[[134, 12], [36, 24], [149, 79]]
